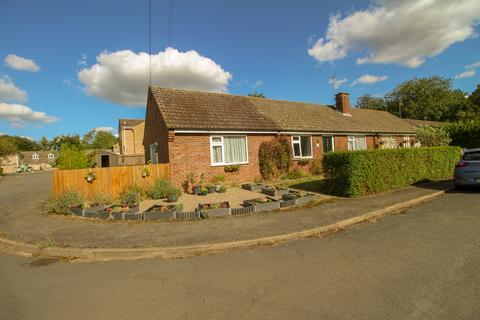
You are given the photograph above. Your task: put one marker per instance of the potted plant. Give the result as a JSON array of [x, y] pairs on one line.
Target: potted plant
[[162, 212], [274, 191], [97, 203], [91, 176], [222, 189], [145, 172], [173, 195], [211, 188], [262, 204], [232, 168], [218, 181], [203, 192], [214, 209]]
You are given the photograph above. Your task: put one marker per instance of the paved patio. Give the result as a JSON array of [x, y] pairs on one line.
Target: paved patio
[[234, 196]]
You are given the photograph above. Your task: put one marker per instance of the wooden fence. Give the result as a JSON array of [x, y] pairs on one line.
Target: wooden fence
[[110, 181]]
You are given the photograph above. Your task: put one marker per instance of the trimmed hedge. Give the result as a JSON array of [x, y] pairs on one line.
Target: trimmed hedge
[[465, 134], [357, 173]]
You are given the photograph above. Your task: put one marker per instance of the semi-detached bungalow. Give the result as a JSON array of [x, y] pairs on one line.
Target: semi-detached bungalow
[[202, 133]]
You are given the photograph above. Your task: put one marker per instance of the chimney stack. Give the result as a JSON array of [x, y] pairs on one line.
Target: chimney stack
[[342, 103]]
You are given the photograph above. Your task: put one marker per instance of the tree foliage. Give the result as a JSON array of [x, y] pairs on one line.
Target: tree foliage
[[6, 147], [465, 134], [256, 94], [70, 141], [367, 101], [275, 158], [430, 98], [432, 137], [72, 157], [104, 140], [21, 143]]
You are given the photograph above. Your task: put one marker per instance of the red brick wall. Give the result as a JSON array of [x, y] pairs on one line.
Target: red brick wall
[[341, 143], [190, 153]]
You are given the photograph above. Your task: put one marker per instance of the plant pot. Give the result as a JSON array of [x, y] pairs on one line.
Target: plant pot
[[253, 186], [196, 190], [261, 207], [289, 196], [172, 198], [153, 214], [211, 189], [120, 215], [76, 211]]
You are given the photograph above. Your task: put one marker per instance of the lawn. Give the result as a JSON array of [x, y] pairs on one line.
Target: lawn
[[310, 184]]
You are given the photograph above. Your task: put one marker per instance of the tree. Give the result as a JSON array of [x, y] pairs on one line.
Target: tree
[[72, 157], [427, 99], [87, 140], [66, 140], [6, 147], [104, 140], [22, 143], [256, 94], [44, 144], [432, 137], [367, 101], [474, 97], [465, 134]]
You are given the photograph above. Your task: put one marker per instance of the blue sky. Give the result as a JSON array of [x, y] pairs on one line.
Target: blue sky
[[238, 46]]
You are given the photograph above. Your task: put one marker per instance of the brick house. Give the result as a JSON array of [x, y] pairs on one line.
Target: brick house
[[130, 145], [201, 133], [38, 159]]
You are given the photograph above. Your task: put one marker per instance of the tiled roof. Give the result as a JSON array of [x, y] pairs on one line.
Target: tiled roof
[[425, 123], [185, 109], [130, 122]]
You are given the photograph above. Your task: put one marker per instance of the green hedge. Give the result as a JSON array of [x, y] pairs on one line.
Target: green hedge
[[465, 134], [357, 173]]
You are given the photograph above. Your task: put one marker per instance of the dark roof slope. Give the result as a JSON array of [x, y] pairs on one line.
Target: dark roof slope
[[425, 123], [185, 109], [129, 122]]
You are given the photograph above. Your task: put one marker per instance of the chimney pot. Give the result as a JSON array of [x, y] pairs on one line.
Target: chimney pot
[[342, 103]]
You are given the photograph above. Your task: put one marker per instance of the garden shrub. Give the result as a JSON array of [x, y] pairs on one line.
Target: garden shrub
[[275, 158], [73, 158], [357, 173], [99, 198], [60, 203], [295, 174], [161, 189], [432, 137], [465, 134], [316, 166], [131, 196]]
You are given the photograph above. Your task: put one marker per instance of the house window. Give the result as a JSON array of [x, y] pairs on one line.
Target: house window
[[327, 142], [302, 146], [406, 142], [35, 156], [357, 143], [154, 153], [228, 150], [51, 156]]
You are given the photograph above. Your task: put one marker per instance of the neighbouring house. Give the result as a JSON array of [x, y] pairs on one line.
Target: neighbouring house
[[38, 160], [104, 158], [425, 123], [201, 133], [9, 163], [130, 146]]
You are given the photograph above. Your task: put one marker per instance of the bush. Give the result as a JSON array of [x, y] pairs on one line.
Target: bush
[[131, 196], [275, 158], [62, 202], [73, 158], [99, 198], [161, 189], [465, 134], [217, 179], [358, 173], [316, 166], [295, 174], [432, 137]]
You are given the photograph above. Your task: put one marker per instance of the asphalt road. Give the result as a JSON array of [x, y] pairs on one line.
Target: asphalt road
[[421, 265]]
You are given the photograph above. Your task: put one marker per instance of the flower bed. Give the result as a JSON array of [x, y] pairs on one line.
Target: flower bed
[[162, 212], [117, 211], [218, 209], [262, 204], [300, 198], [253, 186], [274, 191]]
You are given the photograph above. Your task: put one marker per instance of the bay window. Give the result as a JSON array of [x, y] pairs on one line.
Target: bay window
[[302, 146], [226, 150]]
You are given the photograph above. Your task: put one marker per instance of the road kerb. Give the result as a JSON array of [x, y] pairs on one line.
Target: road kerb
[[175, 252]]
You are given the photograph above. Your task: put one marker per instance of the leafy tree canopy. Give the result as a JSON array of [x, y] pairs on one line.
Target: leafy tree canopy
[[367, 101], [72, 157], [256, 94], [66, 140], [21, 143], [6, 147], [104, 140]]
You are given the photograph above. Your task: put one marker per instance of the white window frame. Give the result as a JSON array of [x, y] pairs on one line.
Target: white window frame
[[406, 142], [222, 145], [35, 156], [300, 143], [333, 142], [154, 153], [355, 144], [51, 156]]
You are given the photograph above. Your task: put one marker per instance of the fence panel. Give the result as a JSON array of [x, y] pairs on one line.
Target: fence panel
[[111, 180]]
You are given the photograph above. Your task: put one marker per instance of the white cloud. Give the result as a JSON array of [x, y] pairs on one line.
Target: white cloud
[[83, 60], [20, 115], [466, 74], [369, 79], [258, 83], [19, 63], [337, 82], [122, 76], [404, 32], [473, 65], [9, 92], [104, 129]]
